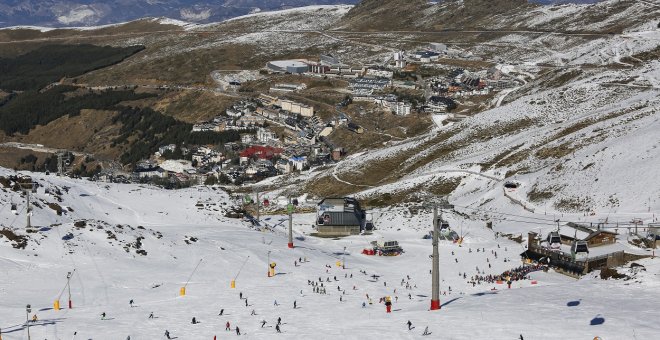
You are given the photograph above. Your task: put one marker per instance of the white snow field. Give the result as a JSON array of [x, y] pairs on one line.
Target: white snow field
[[178, 236]]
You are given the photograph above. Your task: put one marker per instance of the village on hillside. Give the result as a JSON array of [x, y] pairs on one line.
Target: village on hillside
[[285, 129]]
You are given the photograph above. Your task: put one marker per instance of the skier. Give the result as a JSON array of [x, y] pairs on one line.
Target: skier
[[409, 325], [253, 312], [130, 303], [194, 321], [167, 334], [238, 331], [222, 311], [426, 331], [151, 315], [128, 337], [277, 328], [246, 304], [103, 316], [279, 320], [263, 323], [521, 337], [275, 303], [227, 326], [240, 295], [295, 304]]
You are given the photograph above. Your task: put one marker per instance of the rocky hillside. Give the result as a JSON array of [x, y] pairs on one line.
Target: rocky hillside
[[602, 17]]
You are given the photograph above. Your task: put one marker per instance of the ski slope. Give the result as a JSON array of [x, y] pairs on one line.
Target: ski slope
[[178, 236]]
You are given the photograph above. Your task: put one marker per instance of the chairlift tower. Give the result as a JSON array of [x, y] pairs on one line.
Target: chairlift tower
[[27, 188], [289, 209], [60, 163], [435, 270]]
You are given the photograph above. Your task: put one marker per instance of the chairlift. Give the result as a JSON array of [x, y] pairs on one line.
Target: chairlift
[[444, 228], [554, 240], [580, 249]]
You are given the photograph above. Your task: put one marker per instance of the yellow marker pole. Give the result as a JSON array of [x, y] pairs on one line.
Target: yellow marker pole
[[56, 305], [233, 283], [182, 291]]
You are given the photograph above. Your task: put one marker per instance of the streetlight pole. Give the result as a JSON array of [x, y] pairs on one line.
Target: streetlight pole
[[28, 309], [435, 270], [290, 211]]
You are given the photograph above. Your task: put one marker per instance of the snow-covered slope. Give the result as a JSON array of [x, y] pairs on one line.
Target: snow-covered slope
[[189, 243]]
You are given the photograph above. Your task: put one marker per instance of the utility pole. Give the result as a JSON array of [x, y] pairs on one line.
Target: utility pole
[[343, 261], [29, 209], [435, 270], [289, 208], [258, 204], [28, 309], [68, 284]]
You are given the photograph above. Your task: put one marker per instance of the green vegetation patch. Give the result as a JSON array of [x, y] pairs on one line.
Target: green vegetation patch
[[32, 108], [50, 63]]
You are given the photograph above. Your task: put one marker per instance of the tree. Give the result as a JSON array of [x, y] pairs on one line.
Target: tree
[[211, 180]]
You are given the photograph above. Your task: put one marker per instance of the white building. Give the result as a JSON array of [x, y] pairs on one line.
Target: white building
[[297, 108], [265, 135]]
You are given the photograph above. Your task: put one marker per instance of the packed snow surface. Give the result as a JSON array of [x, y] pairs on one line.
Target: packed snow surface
[[186, 229]]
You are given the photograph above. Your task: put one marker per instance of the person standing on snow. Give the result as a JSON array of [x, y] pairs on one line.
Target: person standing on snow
[[167, 334], [227, 326], [238, 331], [409, 325], [279, 320], [263, 323]]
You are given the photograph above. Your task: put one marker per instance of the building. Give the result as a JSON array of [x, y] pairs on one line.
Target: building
[[379, 73], [294, 66], [402, 108], [298, 162], [265, 135], [339, 217], [260, 152], [297, 108], [369, 84], [438, 47], [593, 237], [329, 60], [440, 104]]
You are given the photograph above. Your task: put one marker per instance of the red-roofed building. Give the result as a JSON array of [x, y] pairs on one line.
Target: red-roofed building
[[261, 152]]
